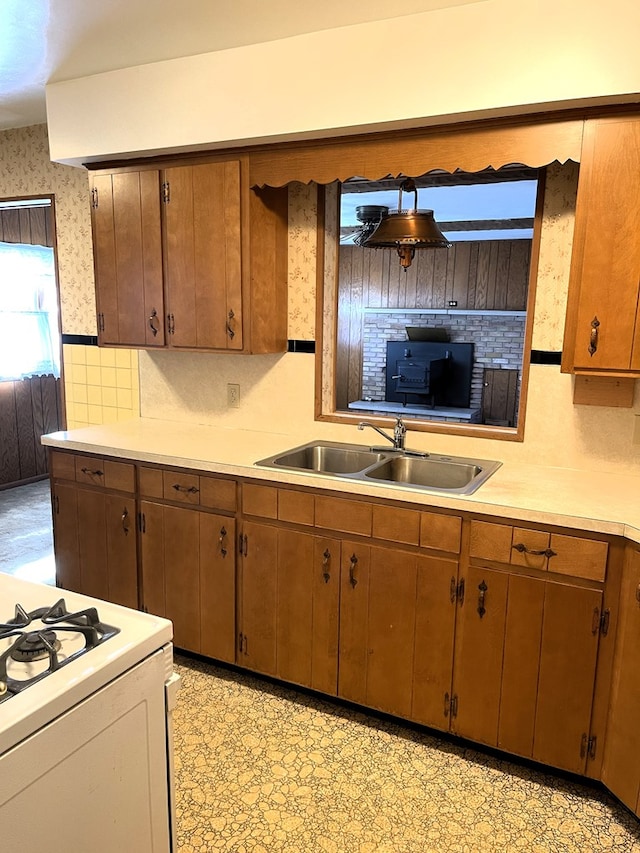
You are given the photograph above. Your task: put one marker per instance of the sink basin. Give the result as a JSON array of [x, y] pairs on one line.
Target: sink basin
[[441, 473], [450, 474], [325, 458]]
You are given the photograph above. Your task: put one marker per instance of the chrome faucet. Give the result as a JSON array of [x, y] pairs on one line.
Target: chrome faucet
[[399, 432]]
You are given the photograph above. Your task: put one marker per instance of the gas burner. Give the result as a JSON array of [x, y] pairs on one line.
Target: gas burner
[[39, 642], [36, 645]]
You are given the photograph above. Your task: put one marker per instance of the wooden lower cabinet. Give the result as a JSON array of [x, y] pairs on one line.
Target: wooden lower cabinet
[[396, 631], [95, 543], [525, 666], [621, 768], [289, 605], [188, 575]]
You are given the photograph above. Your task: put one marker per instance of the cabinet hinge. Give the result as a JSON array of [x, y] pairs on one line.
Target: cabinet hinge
[[588, 746], [450, 705], [242, 643], [94, 198], [141, 522], [242, 544], [101, 322], [166, 192]]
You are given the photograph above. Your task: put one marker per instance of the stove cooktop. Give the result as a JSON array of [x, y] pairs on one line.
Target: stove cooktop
[[36, 643]]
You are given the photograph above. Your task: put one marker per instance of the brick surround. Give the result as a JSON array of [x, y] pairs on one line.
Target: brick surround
[[498, 337]]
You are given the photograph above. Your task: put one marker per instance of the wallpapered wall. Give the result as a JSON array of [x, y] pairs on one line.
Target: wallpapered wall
[[192, 386], [25, 169]]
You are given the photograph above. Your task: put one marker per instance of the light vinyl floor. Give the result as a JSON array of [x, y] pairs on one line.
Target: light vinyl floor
[[262, 768]]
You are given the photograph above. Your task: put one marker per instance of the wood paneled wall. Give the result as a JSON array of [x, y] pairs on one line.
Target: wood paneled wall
[[489, 275], [29, 408], [26, 225]]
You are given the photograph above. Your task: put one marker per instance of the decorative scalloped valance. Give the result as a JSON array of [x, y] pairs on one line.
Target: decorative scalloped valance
[[470, 148]]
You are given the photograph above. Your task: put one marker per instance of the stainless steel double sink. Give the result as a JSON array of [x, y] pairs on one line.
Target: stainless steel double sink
[[406, 468]]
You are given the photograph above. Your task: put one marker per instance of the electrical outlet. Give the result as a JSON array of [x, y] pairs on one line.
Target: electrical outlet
[[233, 396]]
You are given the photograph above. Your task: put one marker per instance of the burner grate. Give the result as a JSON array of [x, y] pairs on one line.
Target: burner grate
[[43, 643]]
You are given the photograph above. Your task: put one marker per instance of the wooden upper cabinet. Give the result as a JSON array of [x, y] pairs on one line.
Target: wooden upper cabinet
[[602, 331], [127, 246], [203, 255], [191, 257]]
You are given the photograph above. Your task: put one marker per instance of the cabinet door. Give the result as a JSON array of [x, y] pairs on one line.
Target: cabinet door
[[257, 646], [435, 626], [477, 673], [171, 569], [203, 256], [307, 610], [377, 627], [568, 653], [122, 558], [621, 768], [218, 587], [521, 664], [606, 256], [65, 537], [128, 258]]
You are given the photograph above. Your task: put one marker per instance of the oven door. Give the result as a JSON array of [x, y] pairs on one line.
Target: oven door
[[98, 777]]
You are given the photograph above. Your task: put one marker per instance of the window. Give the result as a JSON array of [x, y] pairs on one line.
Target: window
[[29, 331], [441, 343]]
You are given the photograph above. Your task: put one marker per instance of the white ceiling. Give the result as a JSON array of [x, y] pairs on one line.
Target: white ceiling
[[51, 40]]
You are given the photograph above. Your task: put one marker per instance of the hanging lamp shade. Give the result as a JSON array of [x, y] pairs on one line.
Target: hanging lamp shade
[[407, 230]]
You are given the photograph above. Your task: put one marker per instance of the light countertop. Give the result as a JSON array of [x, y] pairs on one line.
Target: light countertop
[[591, 501]]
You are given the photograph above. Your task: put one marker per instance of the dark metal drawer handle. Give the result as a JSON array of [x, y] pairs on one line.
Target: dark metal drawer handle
[[522, 548], [188, 490], [125, 521], [326, 565], [353, 562], [230, 331], [593, 336], [223, 534], [154, 322], [483, 589], [89, 472]]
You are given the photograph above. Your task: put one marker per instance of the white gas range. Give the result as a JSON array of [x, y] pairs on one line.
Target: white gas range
[[86, 694]]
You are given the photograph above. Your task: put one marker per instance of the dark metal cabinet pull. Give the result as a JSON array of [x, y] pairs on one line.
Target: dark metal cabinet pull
[[230, 331], [544, 552], [353, 562], [447, 704], [125, 521], [593, 336], [189, 490], [326, 564], [453, 590], [481, 597], [89, 472], [154, 323], [223, 534]]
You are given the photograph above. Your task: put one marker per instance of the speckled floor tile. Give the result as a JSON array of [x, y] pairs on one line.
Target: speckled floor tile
[[261, 768]]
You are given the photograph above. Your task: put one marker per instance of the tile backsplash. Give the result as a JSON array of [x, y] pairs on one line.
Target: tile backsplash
[[101, 385]]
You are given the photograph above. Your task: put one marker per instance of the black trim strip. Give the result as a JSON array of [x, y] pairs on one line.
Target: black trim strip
[[85, 340], [540, 356], [301, 346]]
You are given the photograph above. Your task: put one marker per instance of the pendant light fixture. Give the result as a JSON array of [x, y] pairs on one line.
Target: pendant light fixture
[[407, 230]]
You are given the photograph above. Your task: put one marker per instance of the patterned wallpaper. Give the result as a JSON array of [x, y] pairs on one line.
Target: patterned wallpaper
[[303, 200], [26, 170]]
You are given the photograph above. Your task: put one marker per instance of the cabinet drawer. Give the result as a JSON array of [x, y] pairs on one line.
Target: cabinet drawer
[[96, 471], [582, 558], [63, 465], [260, 500], [396, 524], [150, 482], [181, 487], [296, 507], [343, 515], [441, 532], [539, 549], [216, 493]]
